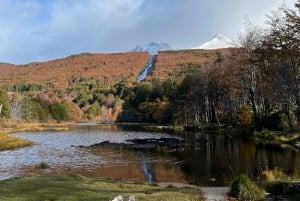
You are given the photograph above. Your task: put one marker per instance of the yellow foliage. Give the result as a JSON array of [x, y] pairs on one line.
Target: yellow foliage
[[274, 175], [9, 142]]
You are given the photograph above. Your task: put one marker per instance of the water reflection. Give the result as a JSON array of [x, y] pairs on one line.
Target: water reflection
[[216, 159], [60, 150], [207, 159]]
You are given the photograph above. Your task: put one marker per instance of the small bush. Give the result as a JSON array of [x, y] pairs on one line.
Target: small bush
[[244, 189], [42, 165]]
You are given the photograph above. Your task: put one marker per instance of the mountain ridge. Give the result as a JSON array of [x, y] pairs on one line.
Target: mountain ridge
[[152, 48], [219, 41]]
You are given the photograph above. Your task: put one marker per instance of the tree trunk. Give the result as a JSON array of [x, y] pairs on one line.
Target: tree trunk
[[1, 108], [287, 112], [253, 104], [215, 117]]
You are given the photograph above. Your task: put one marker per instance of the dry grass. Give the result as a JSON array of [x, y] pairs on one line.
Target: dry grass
[[274, 175], [21, 127], [289, 139], [9, 142]]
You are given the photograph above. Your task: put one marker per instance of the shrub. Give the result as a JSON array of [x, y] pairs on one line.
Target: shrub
[[244, 189], [42, 165], [59, 111], [94, 111], [34, 110]]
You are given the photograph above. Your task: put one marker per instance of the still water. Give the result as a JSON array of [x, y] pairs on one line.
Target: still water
[[207, 159]]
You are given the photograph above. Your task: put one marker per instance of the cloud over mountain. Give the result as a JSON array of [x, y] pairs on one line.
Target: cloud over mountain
[[152, 48], [39, 30]]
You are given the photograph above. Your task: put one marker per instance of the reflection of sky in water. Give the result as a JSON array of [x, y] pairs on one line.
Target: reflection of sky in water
[[55, 149]]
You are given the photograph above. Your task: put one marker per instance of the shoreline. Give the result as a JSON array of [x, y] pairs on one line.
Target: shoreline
[[8, 142], [264, 137]]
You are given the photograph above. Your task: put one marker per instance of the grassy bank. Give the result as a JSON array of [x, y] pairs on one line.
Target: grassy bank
[[9, 142], [72, 188], [267, 137], [279, 184], [21, 127]]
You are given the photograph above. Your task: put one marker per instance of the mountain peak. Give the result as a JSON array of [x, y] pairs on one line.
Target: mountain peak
[[152, 48], [219, 41]]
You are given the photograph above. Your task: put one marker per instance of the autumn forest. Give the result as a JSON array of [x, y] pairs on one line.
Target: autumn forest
[[256, 85]]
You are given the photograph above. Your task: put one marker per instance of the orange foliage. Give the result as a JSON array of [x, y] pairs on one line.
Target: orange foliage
[[111, 68], [170, 64]]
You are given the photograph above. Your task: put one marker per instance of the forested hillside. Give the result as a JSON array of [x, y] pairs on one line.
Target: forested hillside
[[106, 69], [86, 86], [256, 85]]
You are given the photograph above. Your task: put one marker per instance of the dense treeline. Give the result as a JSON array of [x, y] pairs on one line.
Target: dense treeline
[[84, 99], [256, 85]]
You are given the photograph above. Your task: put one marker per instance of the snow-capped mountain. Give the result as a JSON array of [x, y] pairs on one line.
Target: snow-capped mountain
[[152, 48], [217, 42]]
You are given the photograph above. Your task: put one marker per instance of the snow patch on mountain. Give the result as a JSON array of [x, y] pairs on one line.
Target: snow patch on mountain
[[152, 48], [219, 41]]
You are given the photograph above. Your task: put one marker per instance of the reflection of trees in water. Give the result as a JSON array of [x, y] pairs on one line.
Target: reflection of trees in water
[[216, 159], [285, 159]]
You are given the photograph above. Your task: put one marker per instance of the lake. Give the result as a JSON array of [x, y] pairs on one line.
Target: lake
[[208, 159]]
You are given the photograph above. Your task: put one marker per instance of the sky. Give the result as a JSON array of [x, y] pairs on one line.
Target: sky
[[41, 30]]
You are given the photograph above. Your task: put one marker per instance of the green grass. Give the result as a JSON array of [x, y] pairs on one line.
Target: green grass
[[244, 189], [77, 188]]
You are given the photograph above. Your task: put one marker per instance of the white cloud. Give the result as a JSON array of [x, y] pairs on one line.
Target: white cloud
[[34, 30]]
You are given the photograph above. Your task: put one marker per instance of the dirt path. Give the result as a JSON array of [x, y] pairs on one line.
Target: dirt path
[[210, 193], [215, 193]]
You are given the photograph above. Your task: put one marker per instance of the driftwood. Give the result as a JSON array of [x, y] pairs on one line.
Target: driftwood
[[161, 144]]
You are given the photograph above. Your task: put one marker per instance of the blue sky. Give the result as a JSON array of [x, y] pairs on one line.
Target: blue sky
[[40, 30]]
